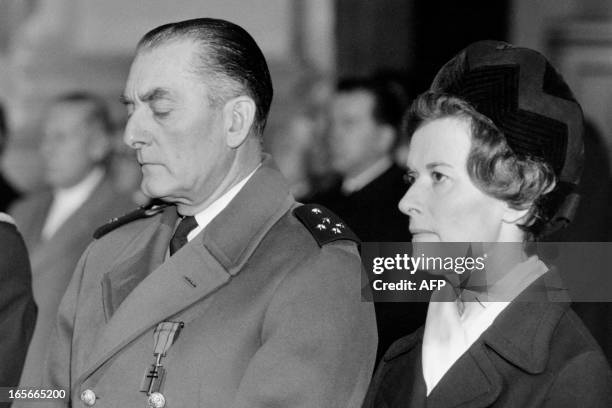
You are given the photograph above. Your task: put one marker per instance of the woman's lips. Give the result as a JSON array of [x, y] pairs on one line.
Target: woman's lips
[[419, 234], [415, 231]]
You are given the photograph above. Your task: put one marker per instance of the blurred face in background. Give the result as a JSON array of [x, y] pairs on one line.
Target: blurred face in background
[[443, 203], [357, 141], [71, 144]]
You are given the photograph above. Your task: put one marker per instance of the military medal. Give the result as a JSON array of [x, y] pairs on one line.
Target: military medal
[[164, 336]]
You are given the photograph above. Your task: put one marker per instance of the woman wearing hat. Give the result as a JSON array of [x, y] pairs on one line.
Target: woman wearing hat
[[495, 156]]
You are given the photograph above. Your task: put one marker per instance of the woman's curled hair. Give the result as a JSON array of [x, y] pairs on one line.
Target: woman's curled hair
[[521, 181]]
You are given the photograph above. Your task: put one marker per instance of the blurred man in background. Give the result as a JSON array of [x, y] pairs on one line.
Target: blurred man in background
[[8, 194], [365, 118], [57, 224]]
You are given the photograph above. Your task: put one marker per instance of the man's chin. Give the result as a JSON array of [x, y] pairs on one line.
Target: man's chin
[[155, 192]]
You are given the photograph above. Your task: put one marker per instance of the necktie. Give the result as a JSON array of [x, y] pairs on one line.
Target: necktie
[[179, 238]]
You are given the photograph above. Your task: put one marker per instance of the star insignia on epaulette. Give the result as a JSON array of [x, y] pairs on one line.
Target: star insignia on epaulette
[[324, 225]]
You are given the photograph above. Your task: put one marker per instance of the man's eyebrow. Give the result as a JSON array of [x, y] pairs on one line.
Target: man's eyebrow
[[157, 93]]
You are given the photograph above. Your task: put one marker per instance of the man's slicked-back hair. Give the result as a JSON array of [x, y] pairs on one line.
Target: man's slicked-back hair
[[228, 57], [390, 98]]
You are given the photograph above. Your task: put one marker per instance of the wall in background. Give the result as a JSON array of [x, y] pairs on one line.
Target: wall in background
[[54, 46], [577, 36]]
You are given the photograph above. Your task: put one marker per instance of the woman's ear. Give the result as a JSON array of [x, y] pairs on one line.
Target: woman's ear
[[238, 117], [516, 216]]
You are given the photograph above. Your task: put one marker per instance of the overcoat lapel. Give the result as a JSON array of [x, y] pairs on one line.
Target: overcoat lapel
[[471, 382], [141, 256], [396, 388], [521, 334], [197, 270], [188, 276]]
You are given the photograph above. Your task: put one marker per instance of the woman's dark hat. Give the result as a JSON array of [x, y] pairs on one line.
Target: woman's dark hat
[[528, 100]]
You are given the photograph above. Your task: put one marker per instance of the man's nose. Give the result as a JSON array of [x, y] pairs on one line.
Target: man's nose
[[136, 134]]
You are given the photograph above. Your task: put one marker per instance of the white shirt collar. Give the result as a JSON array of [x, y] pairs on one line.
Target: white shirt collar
[[356, 183], [205, 216], [67, 200], [449, 334]]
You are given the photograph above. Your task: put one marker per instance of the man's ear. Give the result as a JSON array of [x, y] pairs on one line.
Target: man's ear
[[100, 144], [238, 116], [386, 137]]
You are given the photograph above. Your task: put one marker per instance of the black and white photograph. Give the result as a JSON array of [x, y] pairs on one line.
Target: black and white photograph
[[305, 203]]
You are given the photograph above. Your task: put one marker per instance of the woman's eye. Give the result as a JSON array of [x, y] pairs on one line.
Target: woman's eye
[[438, 177], [409, 179]]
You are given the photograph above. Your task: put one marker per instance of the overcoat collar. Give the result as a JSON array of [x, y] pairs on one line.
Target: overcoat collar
[[521, 334], [158, 289]]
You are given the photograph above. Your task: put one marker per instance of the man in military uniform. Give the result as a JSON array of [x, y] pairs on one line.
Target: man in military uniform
[[228, 294]]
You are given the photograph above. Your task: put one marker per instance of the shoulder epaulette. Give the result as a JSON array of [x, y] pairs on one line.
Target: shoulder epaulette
[[144, 211], [324, 225]]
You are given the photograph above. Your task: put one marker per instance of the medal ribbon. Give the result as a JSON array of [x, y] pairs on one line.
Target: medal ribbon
[[164, 336]]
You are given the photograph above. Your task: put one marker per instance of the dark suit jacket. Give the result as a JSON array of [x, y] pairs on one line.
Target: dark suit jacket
[[17, 308], [535, 354], [373, 214], [272, 319], [8, 194], [53, 261]]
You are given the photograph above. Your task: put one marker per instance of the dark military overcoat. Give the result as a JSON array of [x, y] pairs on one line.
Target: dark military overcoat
[[272, 312]]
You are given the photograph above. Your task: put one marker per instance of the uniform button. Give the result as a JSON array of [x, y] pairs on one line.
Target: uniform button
[[88, 397], [156, 400]]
